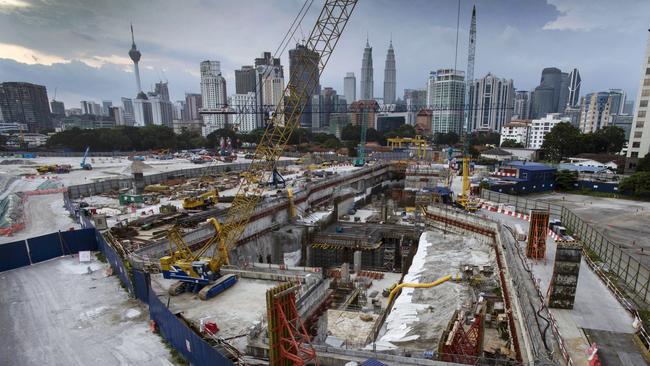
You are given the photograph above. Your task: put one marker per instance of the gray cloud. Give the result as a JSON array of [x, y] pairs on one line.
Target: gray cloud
[[516, 39]]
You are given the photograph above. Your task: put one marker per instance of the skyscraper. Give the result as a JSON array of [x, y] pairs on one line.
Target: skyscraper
[[350, 87], [574, 88], [272, 78], [245, 80], [25, 103], [367, 84], [639, 144], [57, 108], [491, 101], [142, 110], [521, 105], [390, 83], [162, 90], [129, 114], [447, 101], [595, 111], [106, 107], [546, 96], [213, 96], [564, 92], [304, 78], [193, 104], [247, 122], [135, 55], [618, 101]]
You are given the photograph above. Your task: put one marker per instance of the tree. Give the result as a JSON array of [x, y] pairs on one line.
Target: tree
[[352, 148], [484, 138], [351, 133], [643, 165], [450, 138], [562, 141], [613, 138], [565, 180], [511, 143], [638, 184]]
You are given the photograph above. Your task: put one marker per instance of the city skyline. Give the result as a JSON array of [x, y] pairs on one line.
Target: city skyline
[[515, 41]]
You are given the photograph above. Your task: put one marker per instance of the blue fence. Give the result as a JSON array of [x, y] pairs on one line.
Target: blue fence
[[182, 338], [41, 248], [26, 252]]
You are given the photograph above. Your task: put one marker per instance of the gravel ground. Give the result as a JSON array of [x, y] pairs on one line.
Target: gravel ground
[[55, 313]]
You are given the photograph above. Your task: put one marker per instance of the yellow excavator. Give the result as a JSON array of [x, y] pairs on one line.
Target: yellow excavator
[[465, 199], [204, 200]]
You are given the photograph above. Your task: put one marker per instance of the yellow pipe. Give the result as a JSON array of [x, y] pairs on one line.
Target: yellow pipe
[[417, 285]]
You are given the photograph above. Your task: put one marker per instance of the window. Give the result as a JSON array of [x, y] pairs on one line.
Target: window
[[636, 144], [641, 114], [643, 103], [635, 154], [645, 93], [646, 82], [647, 71], [637, 135]]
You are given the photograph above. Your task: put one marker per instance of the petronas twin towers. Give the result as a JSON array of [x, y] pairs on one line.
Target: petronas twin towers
[[367, 83]]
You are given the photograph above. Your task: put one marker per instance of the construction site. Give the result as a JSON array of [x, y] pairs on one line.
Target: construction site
[[320, 259]]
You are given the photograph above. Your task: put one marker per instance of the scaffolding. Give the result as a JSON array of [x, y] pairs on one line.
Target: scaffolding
[[463, 346], [289, 342], [536, 247]]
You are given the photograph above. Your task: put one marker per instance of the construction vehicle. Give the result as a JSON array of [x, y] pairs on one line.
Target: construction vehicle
[[201, 201], [83, 164], [197, 272], [54, 168], [195, 269]]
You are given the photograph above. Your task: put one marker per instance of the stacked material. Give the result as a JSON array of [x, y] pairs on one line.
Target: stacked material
[[11, 214]]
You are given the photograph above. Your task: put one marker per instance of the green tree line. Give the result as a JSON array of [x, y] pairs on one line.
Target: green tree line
[[565, 140]]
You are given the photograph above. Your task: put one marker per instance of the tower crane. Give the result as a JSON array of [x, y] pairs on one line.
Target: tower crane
[[201, 271]]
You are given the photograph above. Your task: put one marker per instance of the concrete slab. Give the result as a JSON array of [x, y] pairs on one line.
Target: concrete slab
[[55, 313], [615, 349], [354, 327]]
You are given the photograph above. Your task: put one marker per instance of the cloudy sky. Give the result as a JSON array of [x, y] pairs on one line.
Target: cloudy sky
[[80, 47]]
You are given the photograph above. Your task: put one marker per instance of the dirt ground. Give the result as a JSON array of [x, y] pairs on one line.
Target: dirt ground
[[624, 222], [56, 313]]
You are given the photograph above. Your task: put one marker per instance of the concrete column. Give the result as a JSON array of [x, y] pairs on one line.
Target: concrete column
[[357, 261]]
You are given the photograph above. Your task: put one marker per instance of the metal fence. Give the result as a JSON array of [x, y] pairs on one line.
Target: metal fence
[[633, 275]]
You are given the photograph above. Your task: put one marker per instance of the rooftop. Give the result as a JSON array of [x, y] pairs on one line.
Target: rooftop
[[528, 165]]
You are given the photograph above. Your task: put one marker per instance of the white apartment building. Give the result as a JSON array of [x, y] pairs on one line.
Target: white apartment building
[[639, 144], [516, 130], [540, 127], [491, 101], [213, 95]]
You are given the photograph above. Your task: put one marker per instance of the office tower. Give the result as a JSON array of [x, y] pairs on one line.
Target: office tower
[[431, 82], [161, 111], [367, 84], [521, 105], [91, 108], [564, 92], [547, 95], [574, 88], [303, 78], [491, 101], [57, 108], [106, 107], [639, 143], [245, 80], [617, 102], [350, 87], [127, 110], [247, 121], [193, 105], [213, 96], [628, 107], [415, 99], [179, 110], [162, 90], [25, 103], [390, 83], [135, 55], [542, 126], [142, 112], [272, 78], [595, 111], [447, 101]]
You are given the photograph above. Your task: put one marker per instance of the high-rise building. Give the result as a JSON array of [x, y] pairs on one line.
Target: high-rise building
[[350, 87], [162, 113], [564, 92], [135, 55], [639, 143], [117, 114], [127, 110], [540, 127], [246, 80], [142, 112], [574, 88], [628, 107], [246, 102], [431, 82], [415, 99], [303, 77], [25, 103], [447, 101], [213, 96], [57, 108], [617, 102], [390, 82], [162, 90], [193, 104], [271, 91], [521, 105], [595, 111], [106, 107], [491, 101], [91, 108], [546, 97], [367, 84], [179, 110]]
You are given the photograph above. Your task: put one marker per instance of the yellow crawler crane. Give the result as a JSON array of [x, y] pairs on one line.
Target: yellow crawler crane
[[318, 49], [206, 199]]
